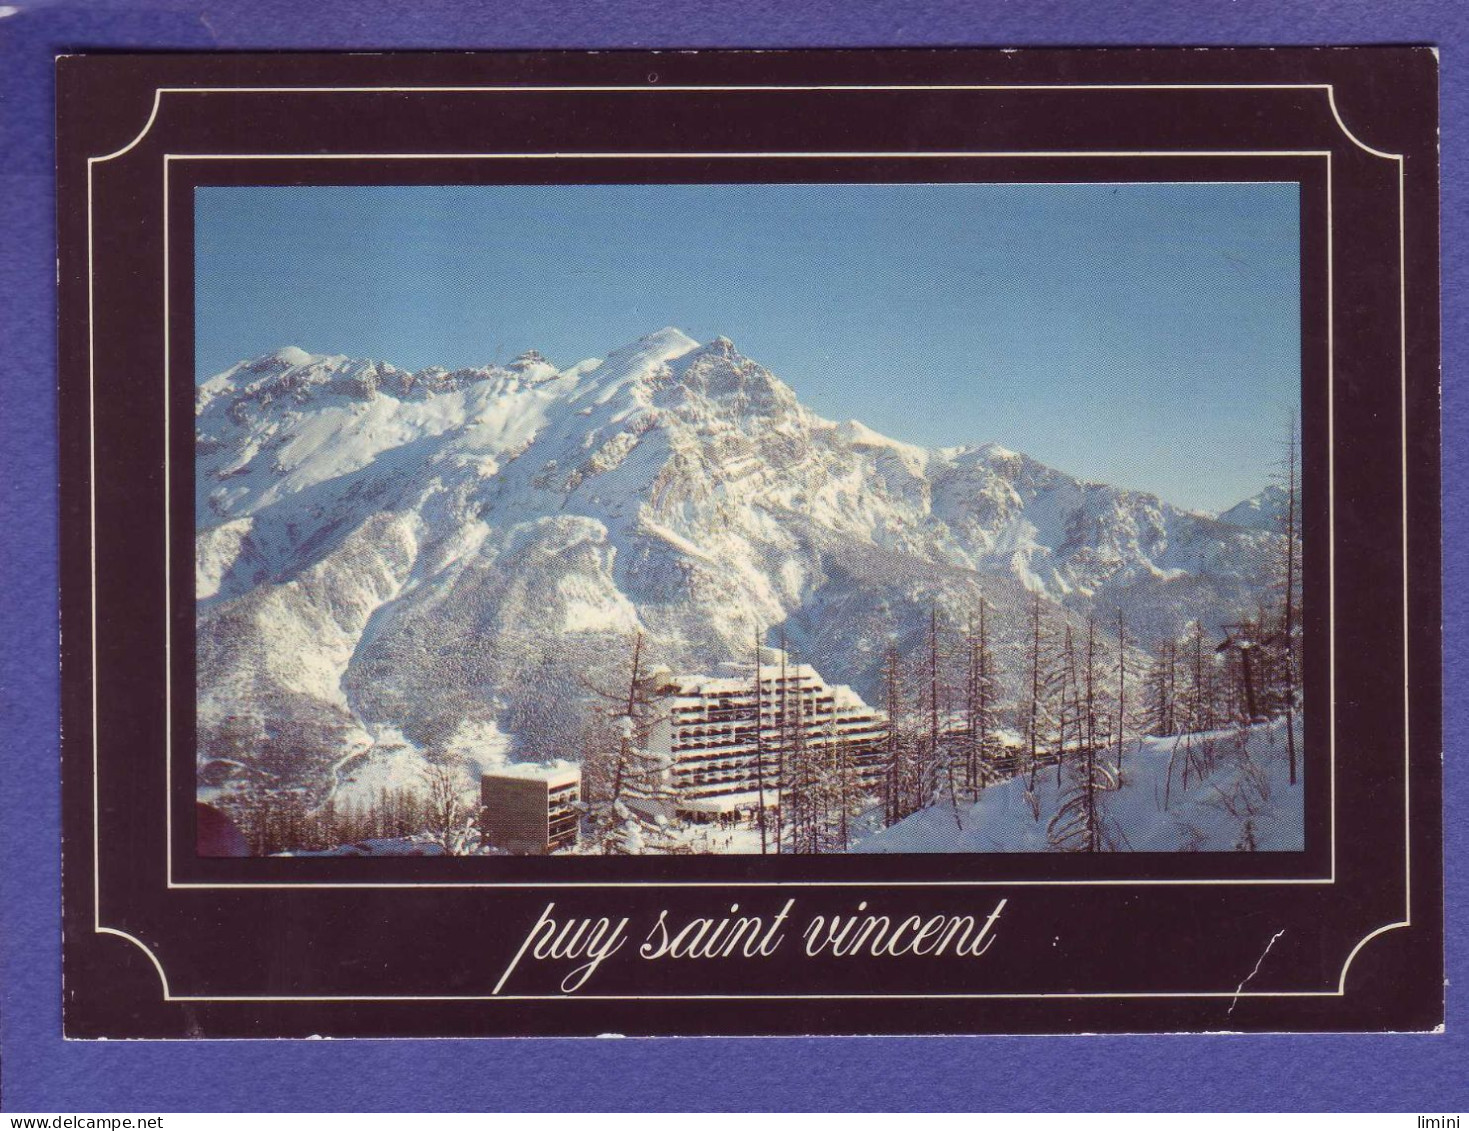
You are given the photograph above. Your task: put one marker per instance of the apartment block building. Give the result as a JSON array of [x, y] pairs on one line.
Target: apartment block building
[[531, 809], [729, 735]]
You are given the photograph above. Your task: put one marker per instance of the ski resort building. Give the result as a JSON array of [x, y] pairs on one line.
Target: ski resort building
[[723, 760], [530, 809]]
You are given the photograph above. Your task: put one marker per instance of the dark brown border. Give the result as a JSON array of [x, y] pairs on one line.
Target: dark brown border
[[1124, 938]]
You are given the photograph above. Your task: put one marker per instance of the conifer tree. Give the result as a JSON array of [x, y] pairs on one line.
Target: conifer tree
[[635, 773]]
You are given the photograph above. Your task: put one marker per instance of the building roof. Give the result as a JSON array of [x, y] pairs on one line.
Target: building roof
[[559, 772], [738, 678]]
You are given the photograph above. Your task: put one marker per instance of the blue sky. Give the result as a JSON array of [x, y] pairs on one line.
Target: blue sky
[[1143, 335]]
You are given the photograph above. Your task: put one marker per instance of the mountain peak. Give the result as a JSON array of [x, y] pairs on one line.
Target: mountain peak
[[670, 338], [659, 346], [635, 365], [533, 366], [277, 361], [1262, 511], [291, 355]]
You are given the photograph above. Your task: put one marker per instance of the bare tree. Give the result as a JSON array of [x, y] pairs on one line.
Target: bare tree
[[1068, 715], [783, 707], [1289, 610], [1160, 703], [937, 769], [1202, 699], [844, 779], [891, 705], [1079, 823], [451, 818], [899, 774], [1121, 684], [799, 774], [759, 745], [981, 696], [1042, 677]]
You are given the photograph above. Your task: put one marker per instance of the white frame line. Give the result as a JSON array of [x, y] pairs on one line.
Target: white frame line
[[169, 158], [1406, 921]]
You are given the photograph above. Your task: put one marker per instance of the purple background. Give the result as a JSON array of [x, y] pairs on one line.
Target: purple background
[[41, 1073]]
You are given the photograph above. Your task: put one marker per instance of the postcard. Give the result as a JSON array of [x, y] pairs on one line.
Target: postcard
[[750, 543]]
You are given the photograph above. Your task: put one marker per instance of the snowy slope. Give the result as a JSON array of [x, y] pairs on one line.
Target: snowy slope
[[1242, 799], [383, 552], [1265, 511]]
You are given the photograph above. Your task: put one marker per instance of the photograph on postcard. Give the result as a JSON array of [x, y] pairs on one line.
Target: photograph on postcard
[[956, 518]]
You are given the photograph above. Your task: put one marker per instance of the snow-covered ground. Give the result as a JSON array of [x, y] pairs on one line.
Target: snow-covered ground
[[417, 845], [741, 839], [1221, 791], [1243, 798]]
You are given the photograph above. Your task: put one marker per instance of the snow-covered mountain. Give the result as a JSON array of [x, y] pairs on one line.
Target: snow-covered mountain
[[386, 557], [1264, 511]]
